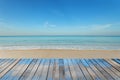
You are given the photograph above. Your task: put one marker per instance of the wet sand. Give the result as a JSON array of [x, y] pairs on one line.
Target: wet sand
[[48, 53]]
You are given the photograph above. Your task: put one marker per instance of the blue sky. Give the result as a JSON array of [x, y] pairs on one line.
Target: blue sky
[[59, 17]]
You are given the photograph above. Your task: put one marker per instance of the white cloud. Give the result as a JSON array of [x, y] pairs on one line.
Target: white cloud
[[47, 24], [98, 29], [101, 27], [104, 29]]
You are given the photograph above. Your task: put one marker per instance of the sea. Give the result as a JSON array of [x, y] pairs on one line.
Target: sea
[[60, 42]]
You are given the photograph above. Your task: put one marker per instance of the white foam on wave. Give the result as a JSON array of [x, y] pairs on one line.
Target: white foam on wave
[[60, 47]]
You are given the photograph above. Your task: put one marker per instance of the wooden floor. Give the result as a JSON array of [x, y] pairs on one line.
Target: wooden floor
[[59, 69]]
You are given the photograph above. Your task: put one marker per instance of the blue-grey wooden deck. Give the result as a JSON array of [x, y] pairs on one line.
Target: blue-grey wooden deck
[[59, 69]]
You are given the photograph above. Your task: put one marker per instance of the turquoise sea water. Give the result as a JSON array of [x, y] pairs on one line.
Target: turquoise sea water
[[60, 42]]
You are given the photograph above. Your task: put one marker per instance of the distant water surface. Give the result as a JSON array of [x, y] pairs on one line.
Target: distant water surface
[[60, 42]]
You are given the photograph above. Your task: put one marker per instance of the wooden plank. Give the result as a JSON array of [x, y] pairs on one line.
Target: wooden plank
[[1, 60], [115, 63], [107, 69], [18, 75], [91, 72], [117, 60], [28, 70], [34, 69], [112, 68], [56, 70], [98, 66], [39, 70], [3, 67], [67, 70], [82, 65], [4, 62], [96, 71], [72, 70], [9, 74], [45, 70], [112, 63], [61, 69], [78, 71], [16, 69], [9, 68], [50, 72]]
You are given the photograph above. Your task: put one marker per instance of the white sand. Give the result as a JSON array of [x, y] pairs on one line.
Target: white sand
[[47, 53]]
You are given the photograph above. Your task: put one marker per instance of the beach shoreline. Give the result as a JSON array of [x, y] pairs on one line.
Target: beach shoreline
[[55, 53]]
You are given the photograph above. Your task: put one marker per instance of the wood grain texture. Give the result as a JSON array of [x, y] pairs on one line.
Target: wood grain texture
[[59, 69]]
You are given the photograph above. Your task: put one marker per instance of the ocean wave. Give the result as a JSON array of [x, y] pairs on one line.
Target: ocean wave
[[60, 47]]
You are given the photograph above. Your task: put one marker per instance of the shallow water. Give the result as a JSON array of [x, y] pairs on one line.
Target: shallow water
[[60, 42]]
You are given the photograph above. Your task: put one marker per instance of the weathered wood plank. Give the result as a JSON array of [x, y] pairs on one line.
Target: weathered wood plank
[[45, 70], [18, 75], [83, 66], [3, 67], [9, 68], [91, 72], [61, 69], [78, 70], [33, 71], [72, 70], [112, 63], [98, 66], [50, 71], [96, 71], [107, 69], [56, 70], [39, 70], [28, 70], [4, 62], [10, 74], [117, 61], [67, 70], [111, 68], [18, 68]]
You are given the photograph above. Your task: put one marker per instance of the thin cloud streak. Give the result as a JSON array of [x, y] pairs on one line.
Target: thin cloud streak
[[47, 25], [101, 27]]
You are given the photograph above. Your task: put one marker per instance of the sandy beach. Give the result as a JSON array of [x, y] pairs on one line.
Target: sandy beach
[[49, 53]]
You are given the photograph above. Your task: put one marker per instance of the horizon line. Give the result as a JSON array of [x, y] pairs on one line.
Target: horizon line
[[55, 35]]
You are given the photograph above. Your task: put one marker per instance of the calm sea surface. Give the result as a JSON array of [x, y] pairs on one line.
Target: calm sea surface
[[60, 42]]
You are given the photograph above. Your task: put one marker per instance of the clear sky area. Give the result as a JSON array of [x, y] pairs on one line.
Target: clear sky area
[[60, 17]]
